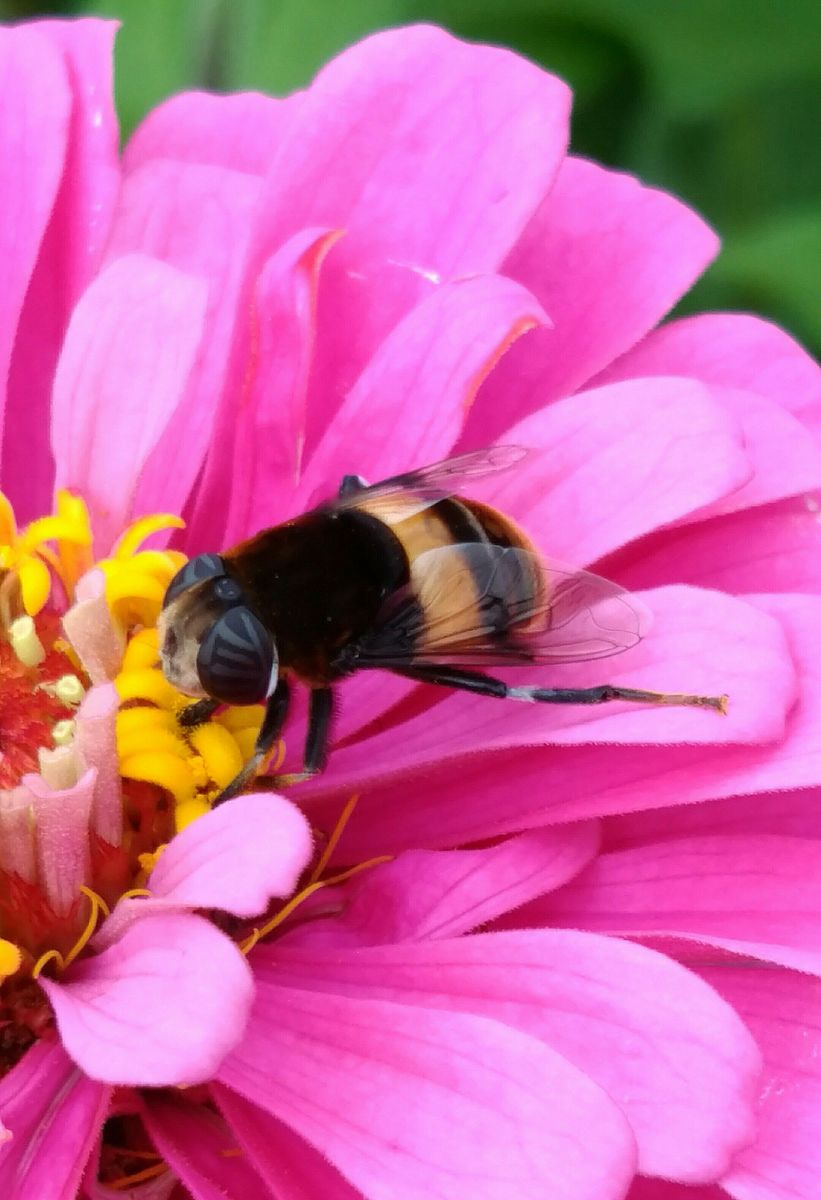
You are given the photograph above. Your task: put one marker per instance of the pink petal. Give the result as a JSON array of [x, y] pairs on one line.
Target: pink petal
[[477, 796], [201, 1150], [290, 1165], [53, 1116], [699, 641], [196, 219], [657, 1040], [663, 1189], [69, 255], [123, 370], [435, 1103], [669, 439], [607, 258], [758, 895], [407, 407], [431, 184], [237, 857], [781, 1009], [162, 1006], [62, 819], [732, 349], [241, 131], [423, 895], [795, 814], [96, 741], [34, 121], [254, 461], [777, 547], [91, 629]]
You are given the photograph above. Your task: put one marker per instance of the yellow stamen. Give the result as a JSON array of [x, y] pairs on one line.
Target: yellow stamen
[[25, 643], [246, 716], [142, 529], [8, 525], [146, 719], [333, 840], [163, 769], [298, 899], [141, 651], [54, 529], [10, 958], [189, 811], [152, 741], [128, 1181], [35, 583], [146, 684], [136, 894], [219, 752], [149, 861], [98, 905], [63, 733], [44, 960]]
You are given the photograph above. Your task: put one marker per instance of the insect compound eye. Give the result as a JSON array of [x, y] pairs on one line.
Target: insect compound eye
[[236, 659], [204, 566]]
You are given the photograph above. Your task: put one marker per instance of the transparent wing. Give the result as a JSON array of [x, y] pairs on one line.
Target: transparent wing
[[420, 489], [490, 613]]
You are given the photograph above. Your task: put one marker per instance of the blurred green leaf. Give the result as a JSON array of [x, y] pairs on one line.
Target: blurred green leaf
[[278, 45], [771, 269], [163, 47]]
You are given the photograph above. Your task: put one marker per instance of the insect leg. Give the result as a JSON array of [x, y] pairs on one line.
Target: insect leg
[[350, 485], [316, 741], [197, 713], [275, 714], [485, 685]]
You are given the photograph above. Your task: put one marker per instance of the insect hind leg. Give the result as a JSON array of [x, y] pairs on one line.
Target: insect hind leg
[[350, 485], [486, 685]]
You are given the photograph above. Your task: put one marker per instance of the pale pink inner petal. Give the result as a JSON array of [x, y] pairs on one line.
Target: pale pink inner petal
[[91, 629], [413, 1103], [236, 857], [666, 1048], [607, 257], [125, 364], [53, 1115], [62, 821], [96, 740], [162, 1006]]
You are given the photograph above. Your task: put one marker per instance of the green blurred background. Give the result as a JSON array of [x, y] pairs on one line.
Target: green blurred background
[[717, 100]]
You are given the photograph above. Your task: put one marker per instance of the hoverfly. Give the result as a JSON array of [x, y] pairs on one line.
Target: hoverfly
[[407, 576]]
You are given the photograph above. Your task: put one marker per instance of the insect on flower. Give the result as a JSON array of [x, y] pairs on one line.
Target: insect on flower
[[406, 575]]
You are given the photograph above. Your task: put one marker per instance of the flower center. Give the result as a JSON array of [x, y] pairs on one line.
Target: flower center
[[73, 840]]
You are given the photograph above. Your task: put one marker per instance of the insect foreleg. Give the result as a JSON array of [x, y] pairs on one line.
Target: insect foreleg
[[275, 714], [485, 685], [316, 741]]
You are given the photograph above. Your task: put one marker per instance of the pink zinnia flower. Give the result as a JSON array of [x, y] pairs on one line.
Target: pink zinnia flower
[[265, 295]]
